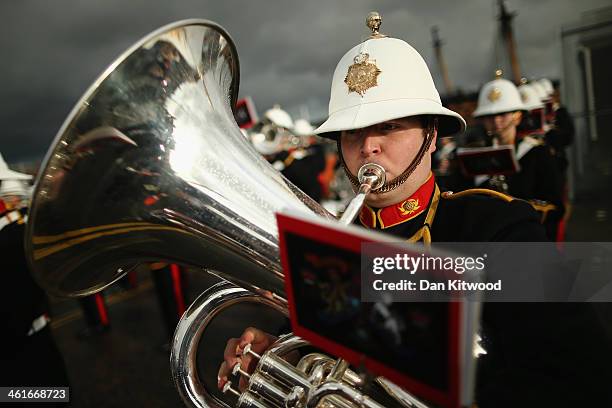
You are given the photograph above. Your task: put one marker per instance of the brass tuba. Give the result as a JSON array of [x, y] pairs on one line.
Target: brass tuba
[[151, 166]]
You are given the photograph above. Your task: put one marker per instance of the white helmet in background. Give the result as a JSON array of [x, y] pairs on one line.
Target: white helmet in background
[[303, 128], [279, 117], [542, 94], [547, 85], [381, 79], [8, 174], [13, 187], [498, 96], [13, 183], [530, 97]]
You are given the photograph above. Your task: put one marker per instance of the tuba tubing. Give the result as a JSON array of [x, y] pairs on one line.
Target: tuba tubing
[[189, 331]]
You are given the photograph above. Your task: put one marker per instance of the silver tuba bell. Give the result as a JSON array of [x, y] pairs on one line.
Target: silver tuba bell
[[151, 166]]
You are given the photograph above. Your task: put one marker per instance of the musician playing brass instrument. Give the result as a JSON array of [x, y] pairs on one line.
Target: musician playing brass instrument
[[500, 108], [384, 109]]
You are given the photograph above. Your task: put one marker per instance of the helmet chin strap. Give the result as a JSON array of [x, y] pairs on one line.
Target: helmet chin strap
[[391, 185]]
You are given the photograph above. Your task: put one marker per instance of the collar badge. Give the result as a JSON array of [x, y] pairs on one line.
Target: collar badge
[[409, 206]]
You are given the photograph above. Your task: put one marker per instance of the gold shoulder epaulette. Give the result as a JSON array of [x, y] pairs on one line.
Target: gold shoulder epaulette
[[473, 191], [542, 207]]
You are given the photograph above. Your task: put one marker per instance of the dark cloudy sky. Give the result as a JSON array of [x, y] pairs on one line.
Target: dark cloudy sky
[[288, 49]]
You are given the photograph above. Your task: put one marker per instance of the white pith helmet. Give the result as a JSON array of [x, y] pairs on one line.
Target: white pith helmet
[[498, 96], [303, 128], [14, 187], [530, 97], [8, 174], [279, 117], [382, 79], [542, 94], [547, 85]]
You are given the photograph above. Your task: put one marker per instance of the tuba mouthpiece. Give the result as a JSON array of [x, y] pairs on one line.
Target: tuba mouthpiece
[[372, 174]]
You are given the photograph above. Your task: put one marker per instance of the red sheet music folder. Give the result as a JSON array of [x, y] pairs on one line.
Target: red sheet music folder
[[321, 262], [490, 160]]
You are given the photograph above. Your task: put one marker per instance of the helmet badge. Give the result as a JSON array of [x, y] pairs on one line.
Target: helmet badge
[[494, 94], [362, 74]]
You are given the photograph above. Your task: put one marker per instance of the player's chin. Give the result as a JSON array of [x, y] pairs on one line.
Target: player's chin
[[379, 200]]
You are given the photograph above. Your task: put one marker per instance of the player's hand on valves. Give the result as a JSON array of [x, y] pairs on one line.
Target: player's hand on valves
[[260, 341]]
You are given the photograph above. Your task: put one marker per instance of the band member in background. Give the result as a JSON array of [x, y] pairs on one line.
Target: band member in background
[[291, 149], [446, 166], [560, 133], [168, 280], [311, 167], [272, 136], [95, 314], [29, 355], [559, 136], [385, 109], [533, 121], [500, 108], [558, 124]]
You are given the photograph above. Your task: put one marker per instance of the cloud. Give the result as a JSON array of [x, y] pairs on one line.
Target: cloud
[[287, 49]]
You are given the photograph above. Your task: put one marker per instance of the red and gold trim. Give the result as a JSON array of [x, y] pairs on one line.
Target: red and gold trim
[[406, 210], [367, 216]]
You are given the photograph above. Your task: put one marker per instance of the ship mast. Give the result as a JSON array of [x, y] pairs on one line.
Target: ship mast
[[505, 19], [437, 44]]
